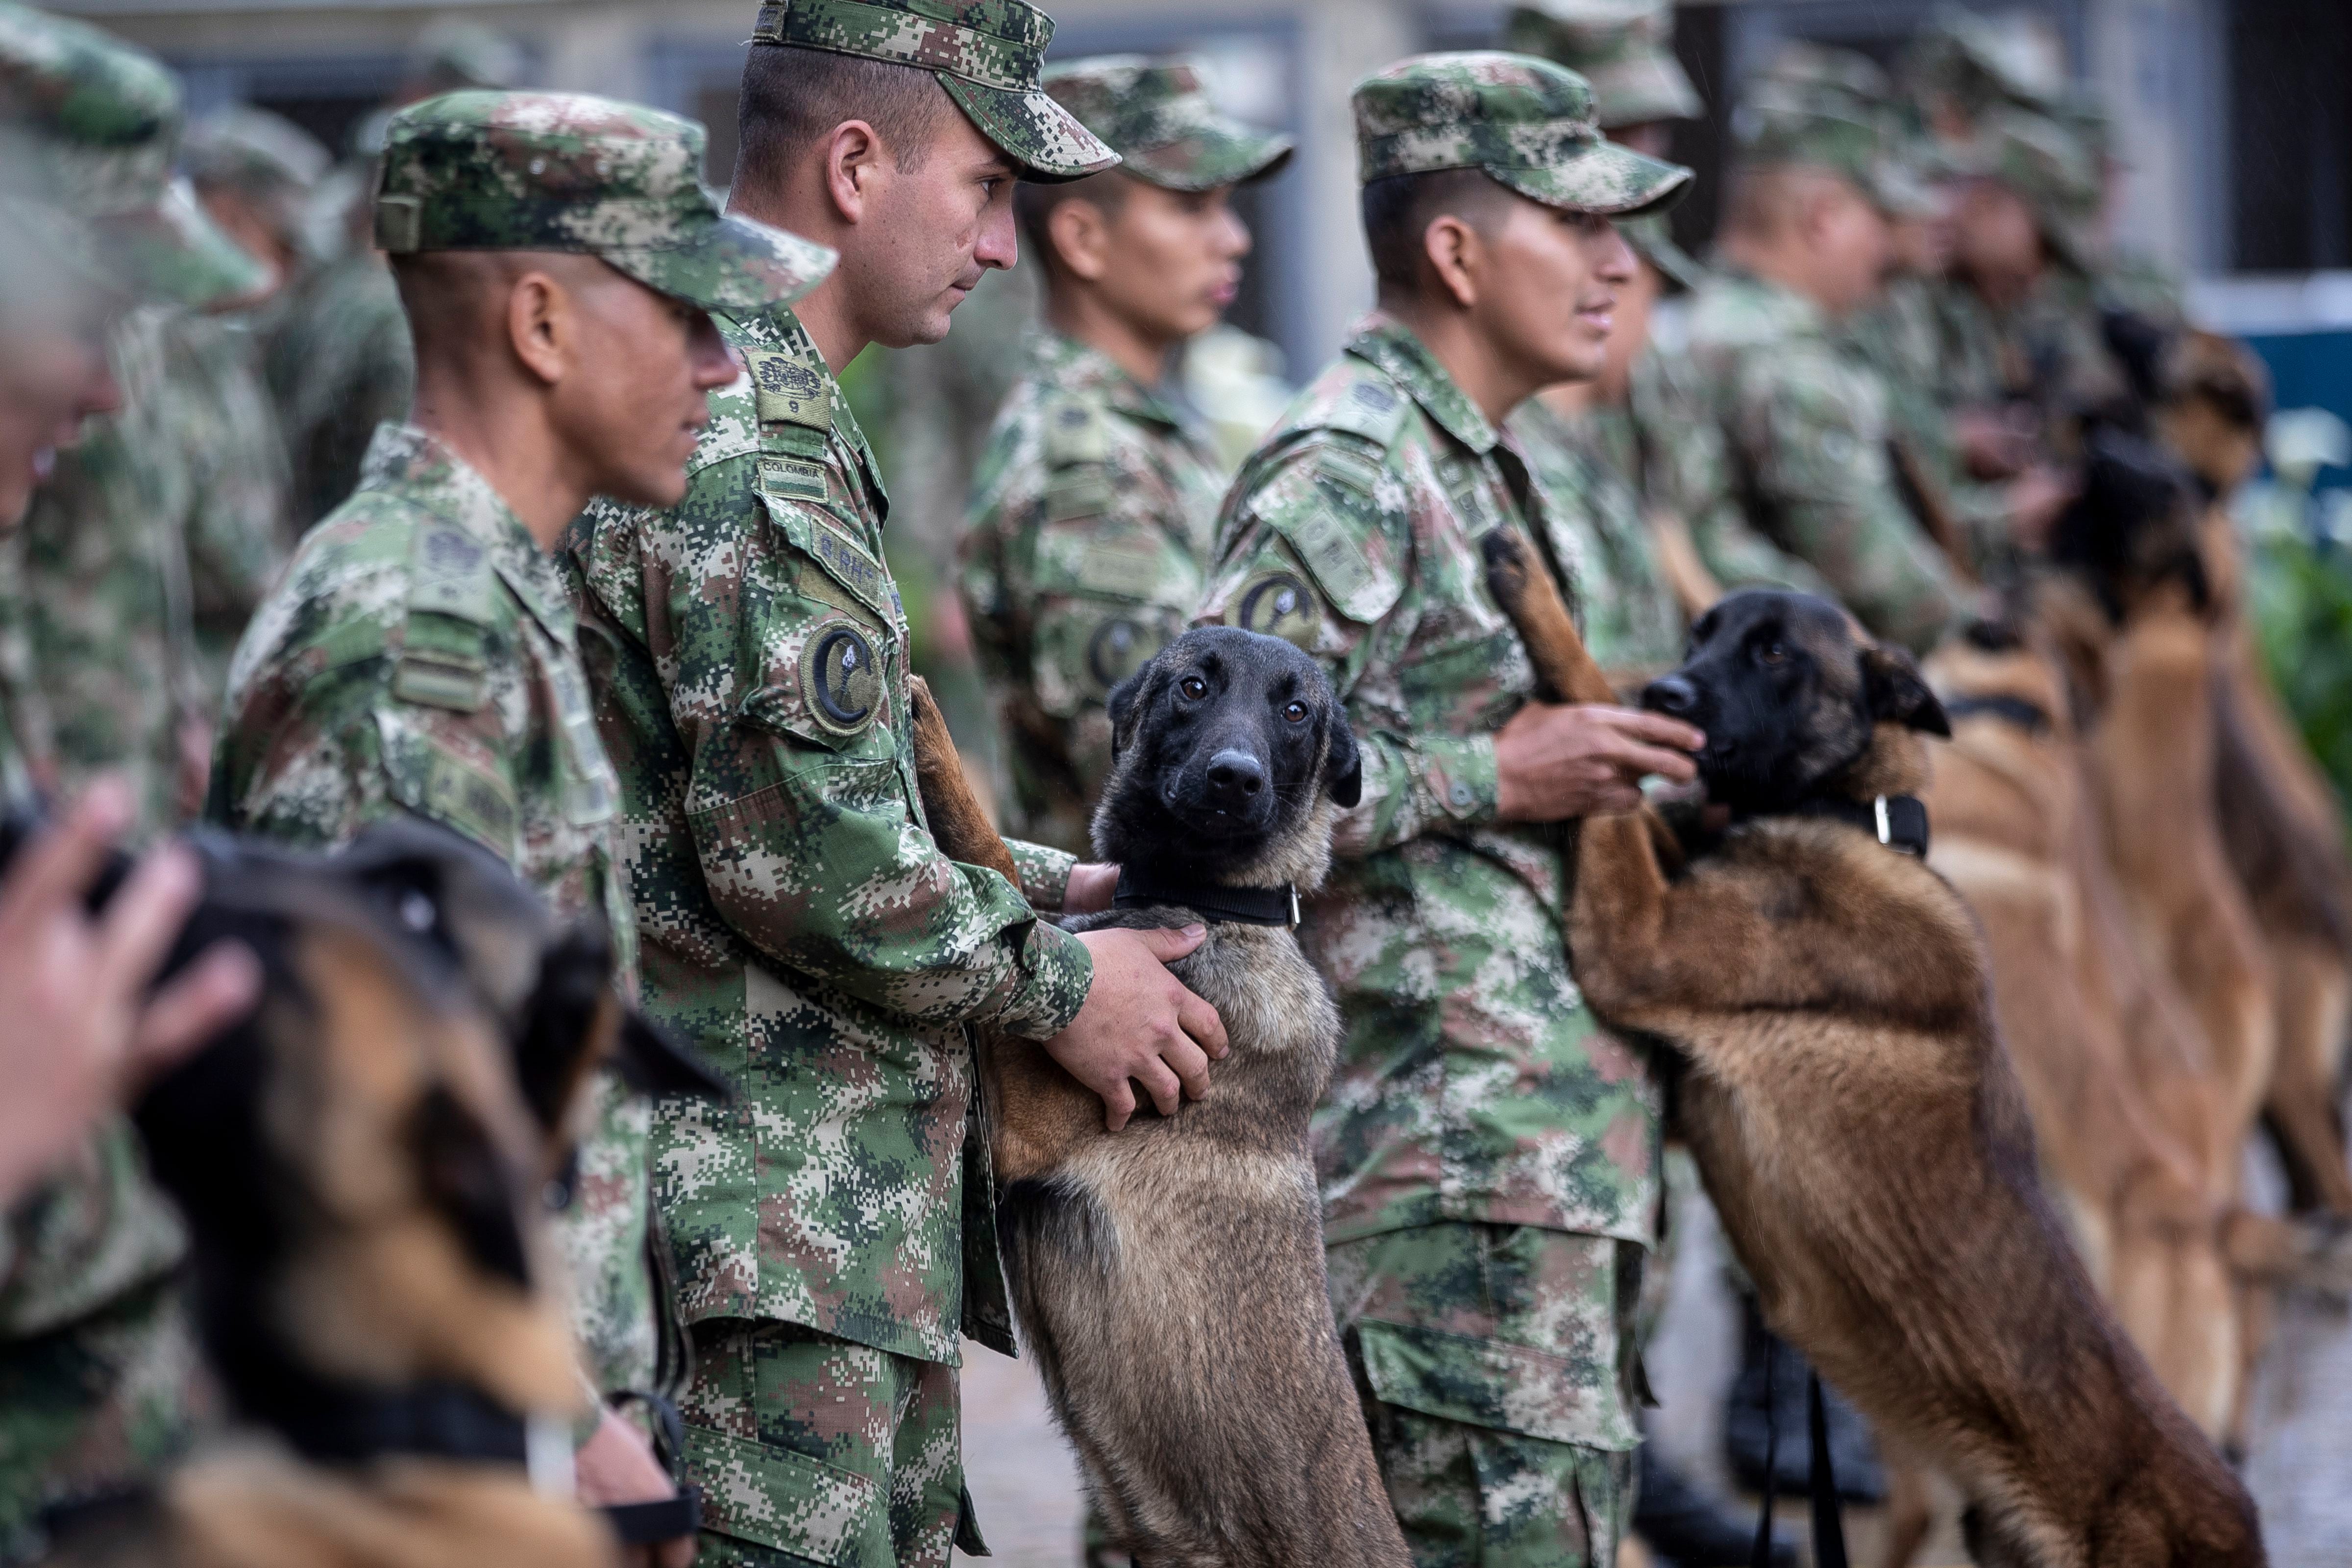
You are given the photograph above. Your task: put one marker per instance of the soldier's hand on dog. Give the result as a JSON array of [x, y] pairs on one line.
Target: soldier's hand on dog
[[1140, 1025], [83, 1030], [1553, 762]]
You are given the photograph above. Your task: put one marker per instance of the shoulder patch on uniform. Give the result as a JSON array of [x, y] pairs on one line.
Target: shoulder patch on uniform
[[794, 479], [787, 391], [841, 681], [1278, 605], [440, 678], [1118, 648], [1330, 525], [1075, 432], [1079, 492], [450, 574], [1370, 408]]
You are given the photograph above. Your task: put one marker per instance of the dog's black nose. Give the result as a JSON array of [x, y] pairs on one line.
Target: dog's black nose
[[1235, 779], [1669, 694]]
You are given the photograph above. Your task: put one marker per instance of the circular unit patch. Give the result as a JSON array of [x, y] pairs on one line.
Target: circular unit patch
[[841, 678], [1118, 648], [1280, 605]]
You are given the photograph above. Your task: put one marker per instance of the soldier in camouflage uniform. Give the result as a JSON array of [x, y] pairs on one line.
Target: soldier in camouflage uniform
[[1092, 510], [1804, 420], [1487, 1155], [799, 925], [97, 1361], [419, 657]]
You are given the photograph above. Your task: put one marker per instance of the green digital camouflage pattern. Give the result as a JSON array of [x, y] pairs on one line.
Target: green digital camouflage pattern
[[2036, 156], [1623, 48], [1805, 426], [1525, 122], [814, 1449], [91, 125], [340, 362], [1900, 338], [263, 157], [748, 649], [1972, 62], [556, 170], [418, 658], [1632, 624], [2047, 350], [1156, 115], [1473, 1084], [1497, 1364], [1092, 515], [1824, 126], [97, 1363], [221, 419], [987, 54]]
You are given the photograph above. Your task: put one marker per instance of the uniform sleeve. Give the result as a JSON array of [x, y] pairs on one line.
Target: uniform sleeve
[[1322, 503], [1045, 873], [799, 810], [1823, 474]]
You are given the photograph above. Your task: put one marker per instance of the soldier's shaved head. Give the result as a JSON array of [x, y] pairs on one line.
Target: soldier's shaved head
[[792, 97], [1762, 200], [1399, 209], [456, 301]]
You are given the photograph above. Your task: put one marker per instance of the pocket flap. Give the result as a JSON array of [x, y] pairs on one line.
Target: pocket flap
[[1490, 1382], [775, 1498]]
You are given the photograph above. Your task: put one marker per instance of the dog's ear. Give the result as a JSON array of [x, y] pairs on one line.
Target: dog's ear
[[574, 1019], [1127, 701], [1343, 762], [462, 1178], [1894, 694]]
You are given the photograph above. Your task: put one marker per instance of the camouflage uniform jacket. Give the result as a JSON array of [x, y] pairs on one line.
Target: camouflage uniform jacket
[[339, 362], [1805, 424], [1089, 528], [1900, 339], [2046, 350], [748, 652], [1632, 624], [1474, 1084], [221, 417], [419, 657]]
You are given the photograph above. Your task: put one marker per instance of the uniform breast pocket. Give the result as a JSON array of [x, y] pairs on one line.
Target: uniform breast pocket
[[1107, 598], [1464, 682]]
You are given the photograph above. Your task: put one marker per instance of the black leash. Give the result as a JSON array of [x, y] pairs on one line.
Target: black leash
[[1239, 906], [1829, 1515]]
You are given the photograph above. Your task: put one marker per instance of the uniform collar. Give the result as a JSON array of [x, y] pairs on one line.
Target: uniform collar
[[778, 329], [1080, 368], [427, 475], [1391, 347]]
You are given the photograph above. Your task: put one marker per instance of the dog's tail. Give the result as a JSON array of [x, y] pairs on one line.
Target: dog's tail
[[1523, 587], [960, 825]]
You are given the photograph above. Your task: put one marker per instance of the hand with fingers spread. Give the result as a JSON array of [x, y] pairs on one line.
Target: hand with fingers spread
[[81, 1030], [1555, 762], [1140, 1023]]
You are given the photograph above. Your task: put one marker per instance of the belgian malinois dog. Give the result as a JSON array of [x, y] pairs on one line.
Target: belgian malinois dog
[[1168, 1277], [362, 1164], [1844, 1090]]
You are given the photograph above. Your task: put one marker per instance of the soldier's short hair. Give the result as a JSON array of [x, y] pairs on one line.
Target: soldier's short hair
[[1399, 209], [791, 96], [1034, 202]]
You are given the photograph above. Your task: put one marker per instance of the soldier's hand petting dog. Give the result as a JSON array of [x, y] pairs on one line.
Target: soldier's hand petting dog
[[83, 1030], [1553, 762], [1140, 1025]]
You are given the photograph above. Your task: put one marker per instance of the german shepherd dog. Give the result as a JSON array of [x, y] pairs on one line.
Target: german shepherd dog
[[1168, 1277], [361, 1164], [1844, 1089]]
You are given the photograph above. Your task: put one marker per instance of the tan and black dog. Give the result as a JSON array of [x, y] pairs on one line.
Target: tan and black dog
[[361, 1165], [1845, 1092], [1168, 1277]]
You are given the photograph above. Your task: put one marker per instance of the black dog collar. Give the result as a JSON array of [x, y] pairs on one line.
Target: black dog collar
[[444, 1420], [1233, 906], [1897, 821], [2027, 716]]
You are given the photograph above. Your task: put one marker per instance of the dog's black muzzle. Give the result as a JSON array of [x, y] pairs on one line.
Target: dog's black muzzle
[[1228, 793]]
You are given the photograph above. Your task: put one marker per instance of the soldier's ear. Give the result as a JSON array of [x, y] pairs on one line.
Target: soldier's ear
[[1343, 762], [1894, 694]]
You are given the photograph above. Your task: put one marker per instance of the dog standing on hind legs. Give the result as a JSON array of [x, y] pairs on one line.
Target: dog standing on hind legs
[[1169, 1277], [1849, 1100]]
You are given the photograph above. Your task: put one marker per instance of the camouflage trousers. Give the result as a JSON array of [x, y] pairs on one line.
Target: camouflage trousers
[[813, 1450], [1497, 1364]]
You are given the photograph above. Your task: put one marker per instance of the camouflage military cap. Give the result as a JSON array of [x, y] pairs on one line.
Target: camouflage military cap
[[1526, 121], [254, 150], [1623, 48], [1654, 241], [553, 171], [91, 127], [2051, 170], [1979, 61], [988, 54], [1779, 124], [1818, 70], [1156, 115]]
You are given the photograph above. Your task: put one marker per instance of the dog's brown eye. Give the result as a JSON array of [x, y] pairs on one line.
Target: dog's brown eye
[[1296, 712], [1773, 653], [1193, 687]]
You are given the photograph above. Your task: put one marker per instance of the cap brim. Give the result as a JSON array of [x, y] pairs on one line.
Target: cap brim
[[1900, 193], [1220, 153], [1655, 244], [731, 264], [1643, 92], [1034, 130], [174, 251], [1602, 177]]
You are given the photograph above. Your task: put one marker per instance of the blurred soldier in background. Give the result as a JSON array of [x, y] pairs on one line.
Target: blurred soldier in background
[[1806, 244], [97, 1364], [1096, 499]]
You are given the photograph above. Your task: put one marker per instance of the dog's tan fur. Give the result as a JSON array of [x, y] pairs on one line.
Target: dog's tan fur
[[1168, 1277], [1853, 1113]]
